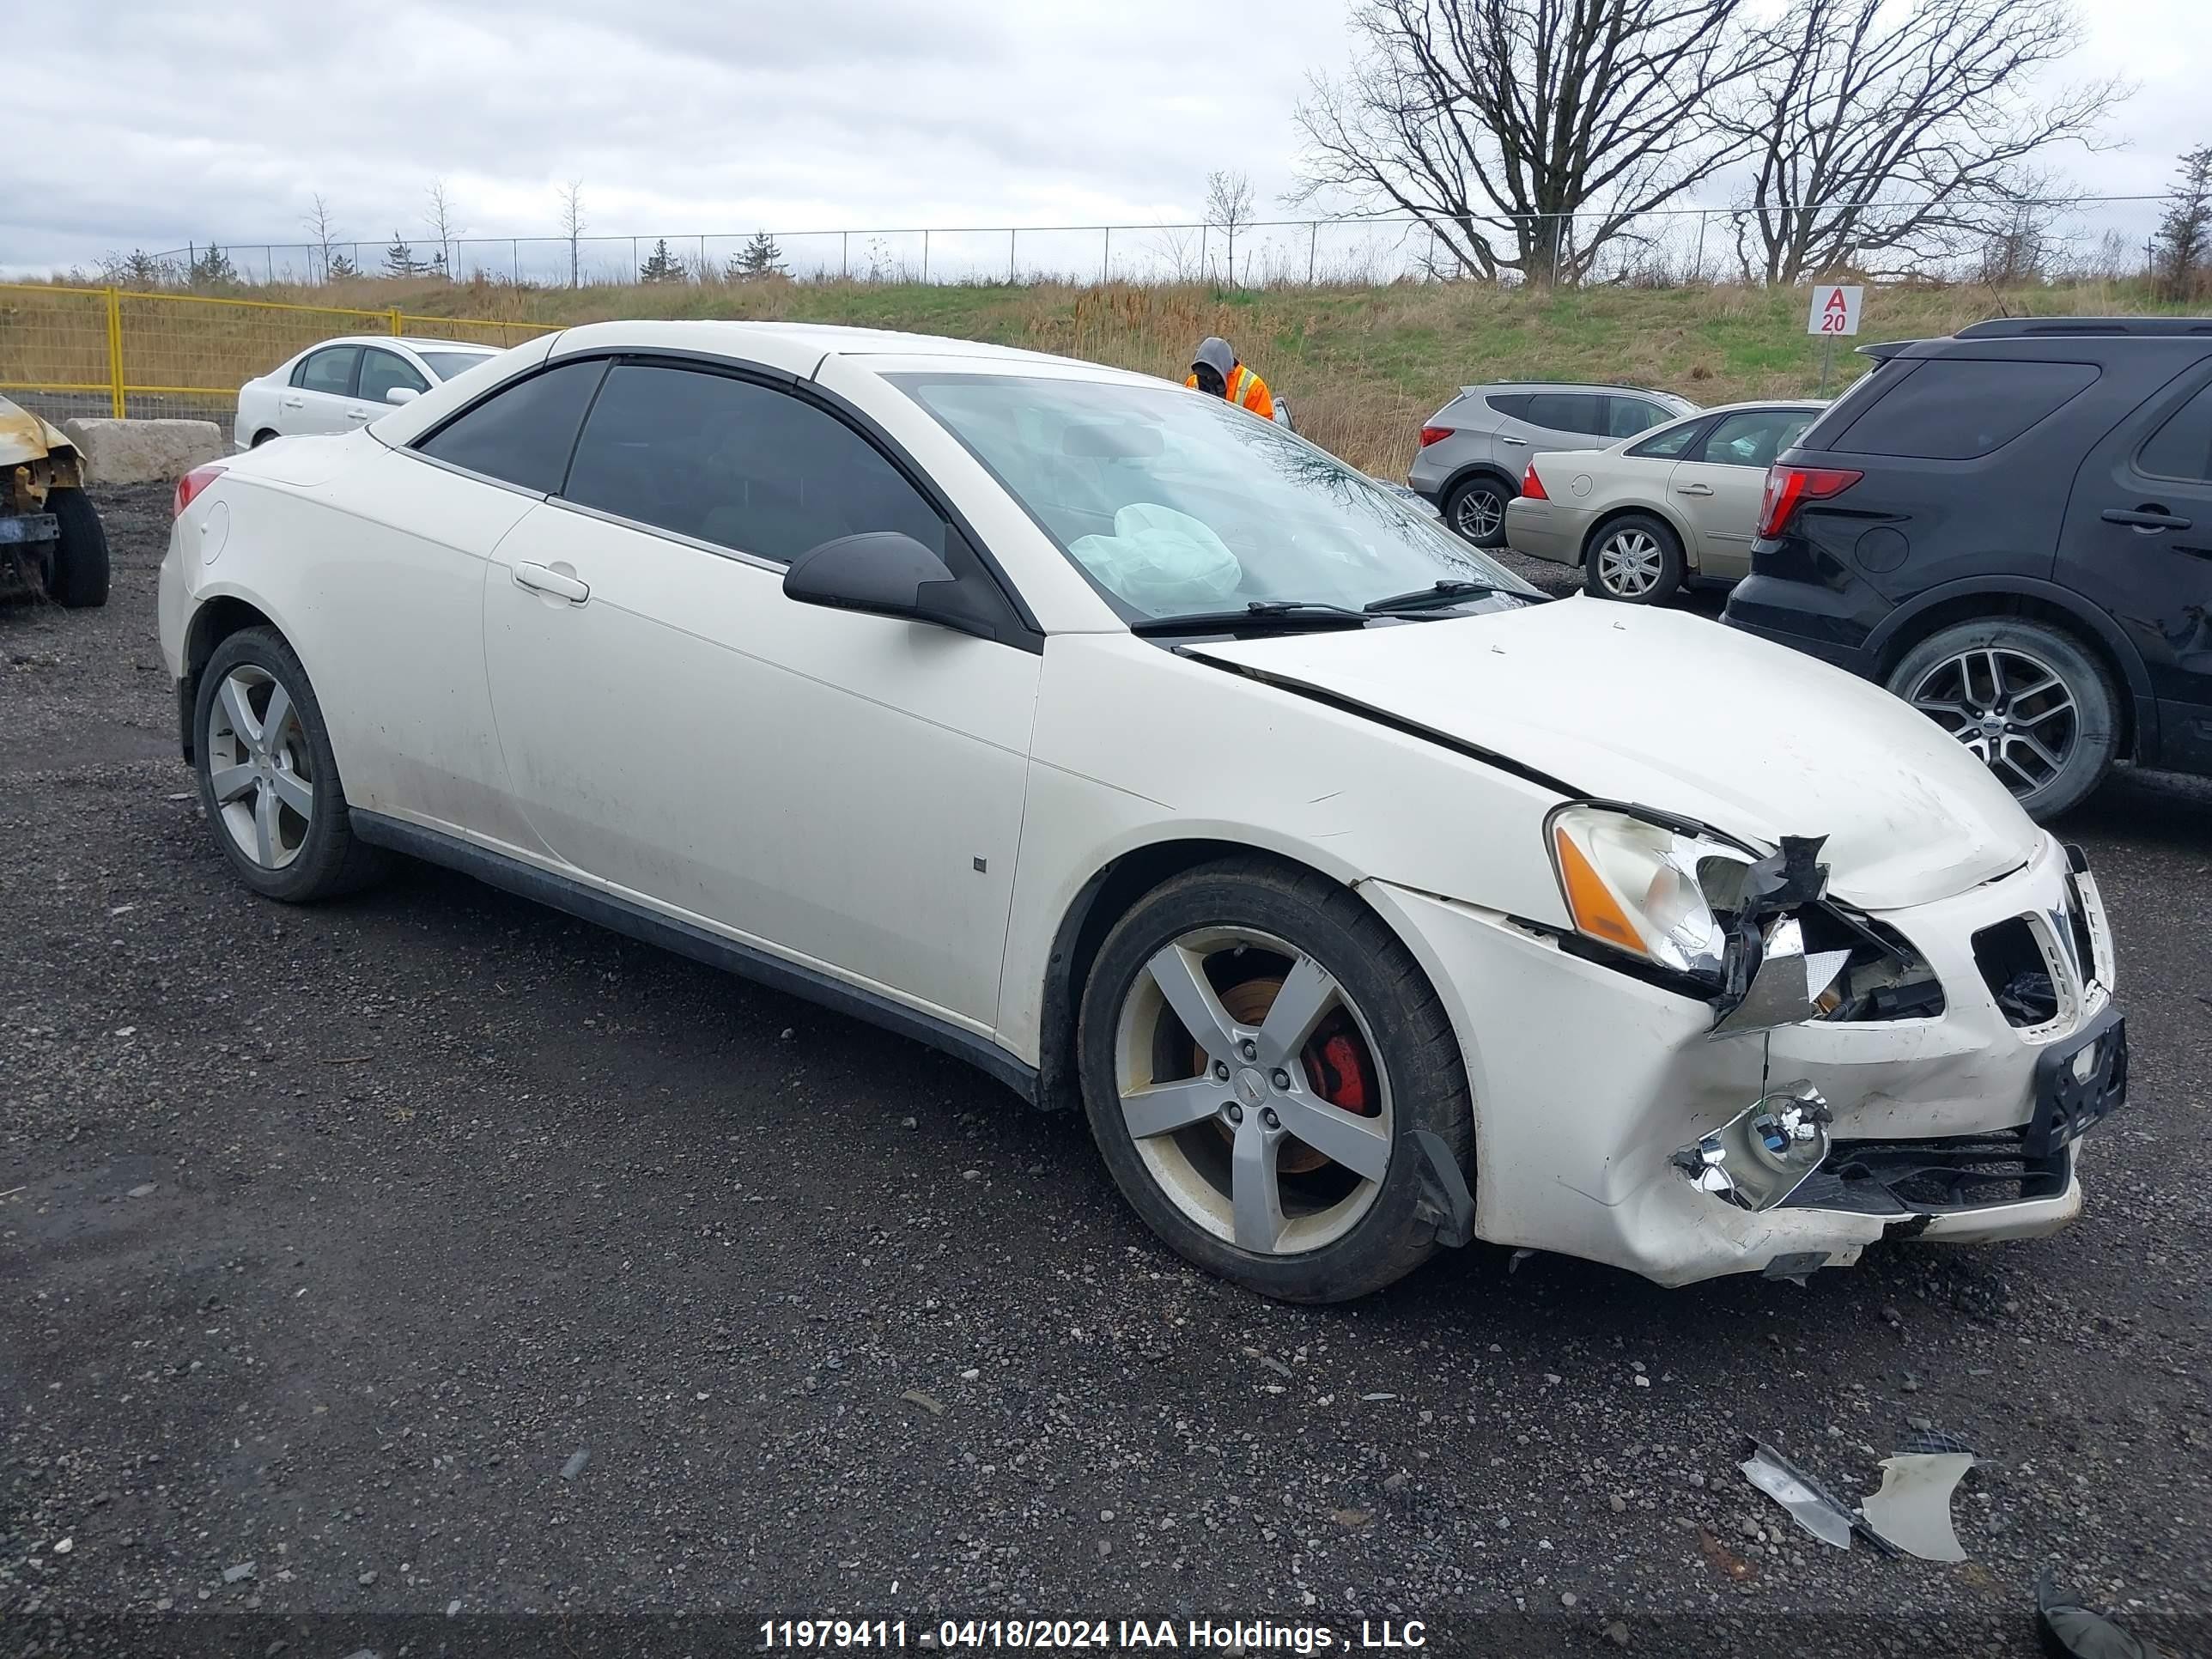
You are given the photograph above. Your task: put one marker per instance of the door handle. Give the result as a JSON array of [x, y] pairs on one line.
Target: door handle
[[295, 403], [1693, 489], [539, 579], [360, 414], [1518, 443], [2144, 518]]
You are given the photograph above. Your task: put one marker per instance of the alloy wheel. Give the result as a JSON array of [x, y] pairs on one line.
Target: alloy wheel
[[2012, 711], [1478, 514], [1253, 1091], [260, 768], [1629, 563]]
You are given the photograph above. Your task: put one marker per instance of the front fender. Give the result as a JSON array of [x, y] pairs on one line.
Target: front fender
[[1135, 748]]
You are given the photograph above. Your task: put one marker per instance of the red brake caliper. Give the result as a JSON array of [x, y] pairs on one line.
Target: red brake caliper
[[1338, 1069]]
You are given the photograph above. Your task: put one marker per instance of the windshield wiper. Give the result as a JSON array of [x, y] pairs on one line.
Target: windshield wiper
[[1259, 613], [1448, 592]]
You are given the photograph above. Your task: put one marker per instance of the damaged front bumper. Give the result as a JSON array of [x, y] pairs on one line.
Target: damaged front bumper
[[1594, 1088]]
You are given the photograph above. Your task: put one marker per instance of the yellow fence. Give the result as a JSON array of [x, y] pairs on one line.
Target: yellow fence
[[67, 351]]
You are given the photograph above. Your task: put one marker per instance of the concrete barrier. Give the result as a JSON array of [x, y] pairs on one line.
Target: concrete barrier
[[142, 451]]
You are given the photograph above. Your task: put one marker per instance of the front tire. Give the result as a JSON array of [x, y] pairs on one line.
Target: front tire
[[2035, 706], [1635, 560], [268, 782], [79, 572], [1258, 1052], [1476, 509]]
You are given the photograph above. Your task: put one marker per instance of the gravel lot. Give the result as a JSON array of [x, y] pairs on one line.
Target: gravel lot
[[331, 1240]]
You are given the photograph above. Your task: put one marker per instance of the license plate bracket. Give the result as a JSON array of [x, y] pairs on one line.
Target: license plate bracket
[[2071, 1099]]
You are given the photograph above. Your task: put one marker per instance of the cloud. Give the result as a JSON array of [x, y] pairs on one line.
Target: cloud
[[703, 116]]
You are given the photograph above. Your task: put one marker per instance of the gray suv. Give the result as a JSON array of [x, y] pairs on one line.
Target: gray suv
[[1474, 449]]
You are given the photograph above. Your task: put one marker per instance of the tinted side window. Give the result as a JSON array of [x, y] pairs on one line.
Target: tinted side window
[[1754, 437], [1626, 416], [1671, 443], [1567, 411], [523, 433], [743, 466], [330, 371], [381, 371], [1513, 404], [2182, 447], [1955, 409]]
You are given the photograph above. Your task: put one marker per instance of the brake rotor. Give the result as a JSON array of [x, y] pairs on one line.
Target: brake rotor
[[1337, 1067]]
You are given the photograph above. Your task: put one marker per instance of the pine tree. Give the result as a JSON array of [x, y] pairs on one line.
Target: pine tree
[[2184, 235], [399, 260], [761, 257], [140, 270], [212, 268], [660, 266], [341, 268]]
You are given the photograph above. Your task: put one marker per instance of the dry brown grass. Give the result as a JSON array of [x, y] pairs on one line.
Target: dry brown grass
[[1361, 366]]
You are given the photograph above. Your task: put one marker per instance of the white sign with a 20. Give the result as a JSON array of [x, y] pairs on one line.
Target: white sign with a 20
[[1835, 311]]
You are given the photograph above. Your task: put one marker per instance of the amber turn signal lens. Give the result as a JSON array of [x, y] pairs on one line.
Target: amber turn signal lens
[[1596, 912]]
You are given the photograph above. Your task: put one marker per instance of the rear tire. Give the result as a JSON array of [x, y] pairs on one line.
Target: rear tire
[[1476, 509], [262, 754], [80, 570], [2030, 700], [1366, 1054], [1635, 559], [261, 438]]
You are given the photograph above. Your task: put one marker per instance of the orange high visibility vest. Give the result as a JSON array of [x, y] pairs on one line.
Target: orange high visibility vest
[[1246, 390]]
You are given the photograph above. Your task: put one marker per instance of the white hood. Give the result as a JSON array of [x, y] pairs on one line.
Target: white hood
[[1669, 710]]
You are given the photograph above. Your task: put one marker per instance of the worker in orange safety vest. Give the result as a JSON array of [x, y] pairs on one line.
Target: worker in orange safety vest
[[1215, 371]]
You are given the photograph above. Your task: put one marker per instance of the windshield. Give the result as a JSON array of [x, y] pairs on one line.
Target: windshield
[[1176, 504], [447, 364]]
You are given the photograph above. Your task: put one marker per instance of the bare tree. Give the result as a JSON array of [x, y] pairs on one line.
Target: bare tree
[[1229, 201], [438, 219], [1907, 133], [572, 224], [321, 227], [1556, 122], [2184, 248], [1177, 248]]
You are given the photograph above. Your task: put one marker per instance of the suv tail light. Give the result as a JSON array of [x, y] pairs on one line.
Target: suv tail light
[[1435, 434], [191, 485], [1532, 487], [1789, 488]]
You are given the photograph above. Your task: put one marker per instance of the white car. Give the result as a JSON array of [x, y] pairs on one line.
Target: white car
[[346, 383], [1146, 756]]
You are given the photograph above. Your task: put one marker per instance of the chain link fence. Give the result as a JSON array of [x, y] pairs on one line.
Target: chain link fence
[[2108, 236], [72, 351]]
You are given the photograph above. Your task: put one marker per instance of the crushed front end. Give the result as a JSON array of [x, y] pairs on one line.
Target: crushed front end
[[32, 466], [1738, 1072]]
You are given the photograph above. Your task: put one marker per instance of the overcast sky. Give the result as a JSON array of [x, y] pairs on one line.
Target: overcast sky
[[167, 123]]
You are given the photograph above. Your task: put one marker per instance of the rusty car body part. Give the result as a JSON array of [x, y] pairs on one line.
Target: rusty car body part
[[27, 437]]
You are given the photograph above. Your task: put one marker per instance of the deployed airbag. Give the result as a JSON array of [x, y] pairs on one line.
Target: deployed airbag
[[1160, 560]]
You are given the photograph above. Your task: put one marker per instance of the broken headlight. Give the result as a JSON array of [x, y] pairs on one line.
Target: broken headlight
[[1654, 889]]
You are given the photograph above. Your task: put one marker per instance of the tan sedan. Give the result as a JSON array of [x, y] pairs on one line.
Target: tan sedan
[[1652, 512]]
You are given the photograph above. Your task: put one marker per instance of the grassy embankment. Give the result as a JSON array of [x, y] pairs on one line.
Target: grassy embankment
[[1361, 366]]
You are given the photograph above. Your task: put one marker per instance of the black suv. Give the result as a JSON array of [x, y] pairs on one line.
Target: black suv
[[2012, 530]]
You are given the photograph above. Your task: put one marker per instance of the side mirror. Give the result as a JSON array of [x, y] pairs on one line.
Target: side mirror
[[402, 394], [888, 574]]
